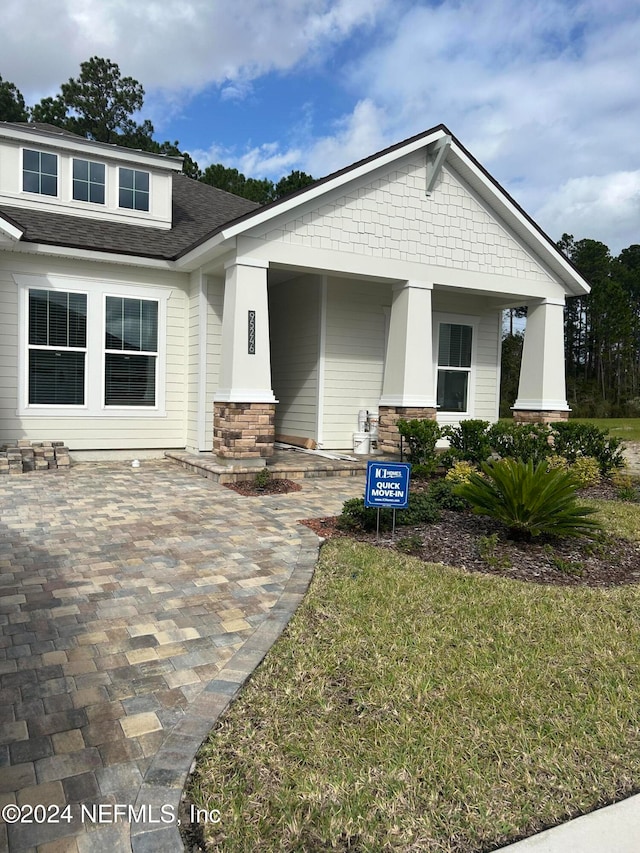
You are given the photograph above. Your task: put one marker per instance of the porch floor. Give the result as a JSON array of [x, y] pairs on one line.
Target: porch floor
[[284, 464]]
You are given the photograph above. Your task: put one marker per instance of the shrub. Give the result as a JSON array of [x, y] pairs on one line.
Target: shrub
[[443, 494], [355, 515], [626, 489], [470, 440], [529, 442], [421, 436], [529, 500], [572, 440], [262, 478], [557, 462], [585, 471], [460, 473]]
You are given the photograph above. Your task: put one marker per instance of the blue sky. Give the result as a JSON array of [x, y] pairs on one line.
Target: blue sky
[[545, 93]]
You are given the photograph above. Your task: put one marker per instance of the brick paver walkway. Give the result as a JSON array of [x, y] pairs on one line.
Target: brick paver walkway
[[133, 605]]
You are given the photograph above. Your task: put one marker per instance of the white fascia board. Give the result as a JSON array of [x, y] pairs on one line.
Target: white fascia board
[[326, 187], [510, 213], [72, 144], [9, 230], [204, 253], [89, 255]]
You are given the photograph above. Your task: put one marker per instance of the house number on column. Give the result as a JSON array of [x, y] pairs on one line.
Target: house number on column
[[252, 333]]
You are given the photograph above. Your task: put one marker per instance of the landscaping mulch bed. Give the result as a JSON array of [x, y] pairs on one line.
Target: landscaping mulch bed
[[465, 540], [273, 487]]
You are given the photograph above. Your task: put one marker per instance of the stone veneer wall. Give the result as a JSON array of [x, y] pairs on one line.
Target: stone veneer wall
[[532, 416], [25, 455], [388, 435], [244, 430]]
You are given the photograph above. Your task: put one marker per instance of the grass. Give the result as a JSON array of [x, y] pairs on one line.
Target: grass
[[414, 707], [627, 429], [618, 518]]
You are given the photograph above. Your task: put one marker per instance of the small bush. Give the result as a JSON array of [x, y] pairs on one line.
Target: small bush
[[556, 462], [355, 515], [409, 544], [529, 442], [529, 500], [470, 440], [585, 471], [626, 489], [573, 440], [460, 473], [443, 493], [421, 472], [262, 478], [421, 436]]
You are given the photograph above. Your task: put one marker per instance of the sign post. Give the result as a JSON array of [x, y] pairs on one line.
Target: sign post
[[387, 486]]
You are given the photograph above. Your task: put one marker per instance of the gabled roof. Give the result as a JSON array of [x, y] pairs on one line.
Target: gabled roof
[[201, 212]]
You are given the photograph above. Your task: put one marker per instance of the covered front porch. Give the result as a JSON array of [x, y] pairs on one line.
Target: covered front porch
[[304, 350]]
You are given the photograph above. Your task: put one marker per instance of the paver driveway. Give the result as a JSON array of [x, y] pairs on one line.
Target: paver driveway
[[133, 603]]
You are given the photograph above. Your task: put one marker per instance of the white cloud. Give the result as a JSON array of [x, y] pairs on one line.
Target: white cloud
[[604, 207], [171, 46]]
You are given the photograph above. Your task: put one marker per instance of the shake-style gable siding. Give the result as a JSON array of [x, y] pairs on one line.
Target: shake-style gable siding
[[294, 319], [82, 432], [354, 355], [392, 217]]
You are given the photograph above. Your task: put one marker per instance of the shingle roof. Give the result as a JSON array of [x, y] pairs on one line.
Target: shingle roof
[[198, 211]]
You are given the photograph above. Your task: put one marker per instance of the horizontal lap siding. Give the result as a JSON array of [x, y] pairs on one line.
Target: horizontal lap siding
[[215, 299], [487, 361], [294, 328], [95, 432], [354, 356]]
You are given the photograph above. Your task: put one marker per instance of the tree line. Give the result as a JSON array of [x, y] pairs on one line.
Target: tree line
[[602, 335], [100, 104]]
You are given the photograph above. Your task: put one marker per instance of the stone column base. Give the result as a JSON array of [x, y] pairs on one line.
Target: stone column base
[[388, 435], [243, 430], [533, 416]]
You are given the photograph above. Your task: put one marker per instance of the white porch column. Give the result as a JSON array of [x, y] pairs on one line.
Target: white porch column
[[408, 384], [245, 368], [542, 394], [244, 405]]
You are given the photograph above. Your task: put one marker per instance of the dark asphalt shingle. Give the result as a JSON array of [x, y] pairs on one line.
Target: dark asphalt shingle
[[198, 211]]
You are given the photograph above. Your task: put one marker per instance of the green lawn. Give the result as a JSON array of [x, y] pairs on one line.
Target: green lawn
[[625, 428], [414, 707]]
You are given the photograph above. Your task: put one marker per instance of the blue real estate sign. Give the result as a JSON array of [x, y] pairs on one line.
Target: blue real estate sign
[[387, 484]]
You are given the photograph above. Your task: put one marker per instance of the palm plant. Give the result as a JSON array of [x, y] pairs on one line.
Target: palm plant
[[529, 500]]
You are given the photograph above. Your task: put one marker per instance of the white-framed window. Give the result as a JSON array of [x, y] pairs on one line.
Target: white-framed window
[[39, 172], [131, 351], [455, 349], [57, 347], [89, 181], [133, 189], [92, 350]]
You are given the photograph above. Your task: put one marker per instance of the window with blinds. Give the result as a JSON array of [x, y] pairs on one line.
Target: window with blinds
[[57, 345], [454, 367], [131, 351]]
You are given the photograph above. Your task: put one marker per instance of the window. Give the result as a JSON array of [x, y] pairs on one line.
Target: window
[[131, 351], [88, 181], [134, 189], [39, 172], [57, 347], [454, 367], [91, 348]]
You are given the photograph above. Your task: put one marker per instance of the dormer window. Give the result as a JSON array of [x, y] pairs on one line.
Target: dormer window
[[39, 172], [134, 189], [88, 181]]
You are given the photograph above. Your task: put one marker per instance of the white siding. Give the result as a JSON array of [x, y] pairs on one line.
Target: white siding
[[215, 300], [354, 357], [193, 360], [294, 330], [486, 349], [89, 432], [392, 217]]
